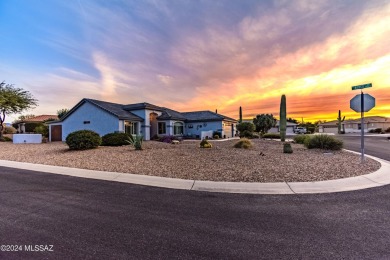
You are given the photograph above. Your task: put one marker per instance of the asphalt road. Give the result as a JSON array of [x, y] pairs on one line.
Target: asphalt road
[[378, 146], [92, 219]]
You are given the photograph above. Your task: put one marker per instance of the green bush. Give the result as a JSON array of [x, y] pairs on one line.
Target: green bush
[[300, 139], [9, 130], [287, 148], [387, 130], [271, 136], [5, 139], [243, 143], [115, 139], [205, 144], [323, 141], [216, 137], [217, 133], [43, 130], [246, 126], [136, 141], [83, 139]]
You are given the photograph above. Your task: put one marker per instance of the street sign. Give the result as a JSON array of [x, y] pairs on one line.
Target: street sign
[[369, 85], [356, 103]]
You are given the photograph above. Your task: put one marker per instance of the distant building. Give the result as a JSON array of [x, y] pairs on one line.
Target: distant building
[[354, 125]]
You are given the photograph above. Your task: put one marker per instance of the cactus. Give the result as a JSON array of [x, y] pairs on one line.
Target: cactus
[[240, 121], [283, 120], [339, 122]]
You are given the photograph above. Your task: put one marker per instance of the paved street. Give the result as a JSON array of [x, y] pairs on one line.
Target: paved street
[[378, 146], [94, 219]]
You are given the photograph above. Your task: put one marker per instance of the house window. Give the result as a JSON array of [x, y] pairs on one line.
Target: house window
[[87, 122], [162, 128], [130, 128], [359, 126], [178, 128]]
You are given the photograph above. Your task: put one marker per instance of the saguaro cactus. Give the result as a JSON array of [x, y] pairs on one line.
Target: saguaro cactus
[[240, 121], [339, 122], [283, 120]]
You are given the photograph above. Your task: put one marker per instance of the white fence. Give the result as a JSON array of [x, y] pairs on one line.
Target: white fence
[[27, 138]]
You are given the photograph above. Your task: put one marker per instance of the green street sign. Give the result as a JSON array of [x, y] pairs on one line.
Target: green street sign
[[369, 85]]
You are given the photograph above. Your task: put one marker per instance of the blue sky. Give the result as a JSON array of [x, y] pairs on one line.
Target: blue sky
[[198, 55]]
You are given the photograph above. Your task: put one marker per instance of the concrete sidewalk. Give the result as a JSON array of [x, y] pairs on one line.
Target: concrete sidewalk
[[375, 179]]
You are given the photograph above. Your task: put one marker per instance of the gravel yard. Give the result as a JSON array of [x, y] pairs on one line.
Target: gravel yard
[[188, 161]]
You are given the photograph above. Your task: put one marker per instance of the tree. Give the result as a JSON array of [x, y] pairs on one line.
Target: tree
[[62, 112], [12, 101], [245, 126], [264, 122], [292, 120]]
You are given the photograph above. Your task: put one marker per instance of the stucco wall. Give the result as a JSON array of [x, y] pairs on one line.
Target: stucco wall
[[145, 126], [101, 121]]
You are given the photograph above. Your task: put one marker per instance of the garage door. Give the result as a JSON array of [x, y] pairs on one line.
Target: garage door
[[56, 133], [227, 129], [331, 130]]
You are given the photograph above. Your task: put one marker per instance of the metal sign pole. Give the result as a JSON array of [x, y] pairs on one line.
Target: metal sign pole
[[362, 126]]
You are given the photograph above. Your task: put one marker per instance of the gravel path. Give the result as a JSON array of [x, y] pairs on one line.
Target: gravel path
[[187, 161]]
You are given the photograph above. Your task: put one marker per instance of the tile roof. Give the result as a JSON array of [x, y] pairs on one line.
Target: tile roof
[[41, 118], [115, 109], [169, 114], [205, 116], [143, 105]]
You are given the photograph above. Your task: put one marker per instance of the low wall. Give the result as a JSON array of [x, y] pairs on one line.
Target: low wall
[[27, 138]]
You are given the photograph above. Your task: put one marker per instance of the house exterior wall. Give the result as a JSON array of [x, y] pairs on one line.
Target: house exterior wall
[[275, 129], [145, 126], [100, 121]]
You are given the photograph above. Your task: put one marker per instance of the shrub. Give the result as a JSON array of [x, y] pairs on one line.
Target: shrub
[[387, 130], [287, 148], [5, 139], [136, 141], [217, 133], [243, 143], [246, 134], [378, 130], [205, 144], [167, 138], [216, 137], [271, 136], [43, 130], [155, 138], [300, 139], [115, 139], [245, 126], [371, 131], [323, 142], [83, 139], [9, 130]]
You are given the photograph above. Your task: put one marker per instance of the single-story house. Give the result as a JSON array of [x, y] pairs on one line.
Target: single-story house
[[354, 125], [22, 126], [143, 119], [289, 127]]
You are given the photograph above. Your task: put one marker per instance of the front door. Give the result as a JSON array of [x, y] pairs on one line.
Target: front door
[[56, 133], [153, 124]]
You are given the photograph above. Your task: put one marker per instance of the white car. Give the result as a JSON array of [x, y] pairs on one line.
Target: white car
[[300, 130]]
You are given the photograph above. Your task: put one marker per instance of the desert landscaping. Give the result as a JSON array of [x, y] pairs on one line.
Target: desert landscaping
[[265, 162]]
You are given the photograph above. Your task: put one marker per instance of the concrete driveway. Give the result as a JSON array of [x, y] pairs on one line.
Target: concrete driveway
[[96, 219]]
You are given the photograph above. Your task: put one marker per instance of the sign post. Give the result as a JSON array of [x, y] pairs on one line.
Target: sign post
[[362, 103]]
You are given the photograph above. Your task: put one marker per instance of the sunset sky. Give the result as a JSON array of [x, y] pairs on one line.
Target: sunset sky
[[199, 55]]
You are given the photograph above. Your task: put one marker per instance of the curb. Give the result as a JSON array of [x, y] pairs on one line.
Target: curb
[[379, 178]]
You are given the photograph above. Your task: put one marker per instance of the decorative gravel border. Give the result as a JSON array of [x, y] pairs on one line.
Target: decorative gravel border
[[265, 162]]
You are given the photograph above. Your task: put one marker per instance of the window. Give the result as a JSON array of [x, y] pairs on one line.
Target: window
[[130, 128], [359, 126], [162, 128], [178, 128]]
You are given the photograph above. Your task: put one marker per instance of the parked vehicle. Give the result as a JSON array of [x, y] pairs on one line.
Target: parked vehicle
[[300, 130]]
